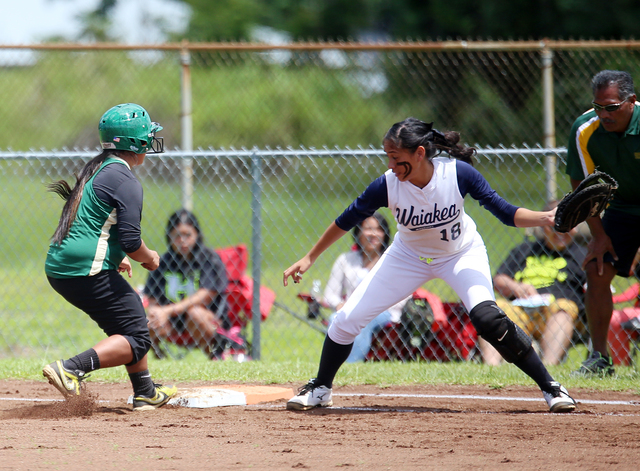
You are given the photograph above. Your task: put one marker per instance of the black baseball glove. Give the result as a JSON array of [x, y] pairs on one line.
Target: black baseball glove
[[589, 198]]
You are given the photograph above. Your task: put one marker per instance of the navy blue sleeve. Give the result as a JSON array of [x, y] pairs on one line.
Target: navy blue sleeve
[[117, 187], [471, 182], [374, 197]]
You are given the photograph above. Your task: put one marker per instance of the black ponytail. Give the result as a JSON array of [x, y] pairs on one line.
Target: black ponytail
[[72, 196], [413, 133]]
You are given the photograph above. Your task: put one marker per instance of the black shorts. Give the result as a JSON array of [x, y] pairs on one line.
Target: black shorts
[[624, 231], [112, 303]]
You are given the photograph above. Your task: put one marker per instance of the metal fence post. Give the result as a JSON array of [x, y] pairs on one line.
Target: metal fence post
[[187, 129], [256, 250], [549, 122]]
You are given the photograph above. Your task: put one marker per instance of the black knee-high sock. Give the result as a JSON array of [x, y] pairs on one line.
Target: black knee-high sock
[[86, 361], [142, 384], [532, 365], [332, 358]]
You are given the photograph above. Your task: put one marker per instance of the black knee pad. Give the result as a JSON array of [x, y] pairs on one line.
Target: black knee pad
[[496, 328], [140, 345]]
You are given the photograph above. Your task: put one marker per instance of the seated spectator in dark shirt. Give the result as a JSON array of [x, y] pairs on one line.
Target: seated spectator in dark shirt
[[186, 294], [542, 283]]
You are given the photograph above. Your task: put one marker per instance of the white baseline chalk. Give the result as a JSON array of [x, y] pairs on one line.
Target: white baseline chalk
[[487, 398]]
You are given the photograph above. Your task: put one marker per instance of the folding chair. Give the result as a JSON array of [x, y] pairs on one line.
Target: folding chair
[[239, 298], [314, 317]]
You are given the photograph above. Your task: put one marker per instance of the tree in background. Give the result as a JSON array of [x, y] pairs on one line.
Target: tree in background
[[222, 20], [233, 20], [96, 23], [413, 19]]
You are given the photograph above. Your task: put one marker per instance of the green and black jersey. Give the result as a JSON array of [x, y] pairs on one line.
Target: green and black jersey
[[106, 227], [591, 147]]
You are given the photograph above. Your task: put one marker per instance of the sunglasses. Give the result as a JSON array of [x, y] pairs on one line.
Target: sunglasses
[[608, 108]]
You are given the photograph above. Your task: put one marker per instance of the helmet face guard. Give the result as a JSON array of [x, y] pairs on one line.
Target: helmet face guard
[[157, 145], [128, 127]]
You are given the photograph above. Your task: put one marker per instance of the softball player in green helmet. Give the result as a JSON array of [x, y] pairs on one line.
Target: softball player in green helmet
[[128, 127], [98, 231]]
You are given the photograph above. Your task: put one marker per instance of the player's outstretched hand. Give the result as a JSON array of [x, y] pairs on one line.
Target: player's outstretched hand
[[296, 270]]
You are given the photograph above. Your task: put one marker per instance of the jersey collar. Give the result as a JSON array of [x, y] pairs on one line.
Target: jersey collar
[[121, 160], [634, 124]]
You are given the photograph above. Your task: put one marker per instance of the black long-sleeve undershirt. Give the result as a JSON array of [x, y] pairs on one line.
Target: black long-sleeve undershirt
[[116, 186]]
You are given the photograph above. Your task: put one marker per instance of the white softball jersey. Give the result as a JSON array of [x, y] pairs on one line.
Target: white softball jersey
[[431, 220], [435, 239]]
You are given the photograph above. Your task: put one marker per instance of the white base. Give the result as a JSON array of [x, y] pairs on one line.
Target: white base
[[202, 398]]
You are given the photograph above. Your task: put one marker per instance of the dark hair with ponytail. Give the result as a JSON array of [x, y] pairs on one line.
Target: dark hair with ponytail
[[413, 133], [72, 196]]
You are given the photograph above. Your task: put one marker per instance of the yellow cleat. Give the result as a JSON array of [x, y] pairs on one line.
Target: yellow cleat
[[66, 381], [162, 396]]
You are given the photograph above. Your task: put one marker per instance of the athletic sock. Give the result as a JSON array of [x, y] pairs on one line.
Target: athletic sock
[[142, 384], [86, 361], [332, 357], [532, 365]]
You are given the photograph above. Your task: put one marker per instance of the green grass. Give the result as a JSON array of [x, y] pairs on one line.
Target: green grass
[[195, 367]]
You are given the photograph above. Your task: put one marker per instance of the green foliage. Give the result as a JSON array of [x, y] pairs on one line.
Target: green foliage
[[308, 98], [231, 20], [62, 97], [222, 20], [491, 107]]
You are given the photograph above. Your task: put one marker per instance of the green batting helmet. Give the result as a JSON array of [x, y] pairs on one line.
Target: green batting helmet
[[128, 127]]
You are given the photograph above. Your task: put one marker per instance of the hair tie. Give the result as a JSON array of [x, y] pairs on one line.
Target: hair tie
[[435, 134]]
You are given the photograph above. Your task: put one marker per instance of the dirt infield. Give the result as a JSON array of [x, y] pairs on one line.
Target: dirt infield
[[397, 428]]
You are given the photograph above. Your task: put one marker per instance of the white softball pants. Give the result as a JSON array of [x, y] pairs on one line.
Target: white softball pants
[[399, 272]]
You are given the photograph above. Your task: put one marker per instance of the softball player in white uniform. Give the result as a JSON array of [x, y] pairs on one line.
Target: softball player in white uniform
[[435, 239]]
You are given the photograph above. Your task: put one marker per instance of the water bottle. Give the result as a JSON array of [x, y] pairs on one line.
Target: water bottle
[[314, 304]]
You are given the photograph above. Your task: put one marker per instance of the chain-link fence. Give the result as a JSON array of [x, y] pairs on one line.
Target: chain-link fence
[[341, 94], [274, 203]]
